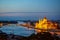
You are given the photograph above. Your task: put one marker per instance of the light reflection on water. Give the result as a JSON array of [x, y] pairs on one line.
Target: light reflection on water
[[17, 30]]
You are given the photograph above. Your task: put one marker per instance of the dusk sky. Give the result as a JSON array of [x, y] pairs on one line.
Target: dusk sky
[[29, 5], [51, 7]]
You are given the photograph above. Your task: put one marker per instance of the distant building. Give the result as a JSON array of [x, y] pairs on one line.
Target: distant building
[[1, 24], [46, 24]]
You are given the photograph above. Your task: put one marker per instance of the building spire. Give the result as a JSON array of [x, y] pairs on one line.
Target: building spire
[[45, 17]]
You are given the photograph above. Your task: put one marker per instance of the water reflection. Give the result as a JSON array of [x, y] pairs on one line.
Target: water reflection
[[17, 30]]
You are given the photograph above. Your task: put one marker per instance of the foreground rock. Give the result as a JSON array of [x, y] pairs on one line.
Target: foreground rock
[[39, 36]]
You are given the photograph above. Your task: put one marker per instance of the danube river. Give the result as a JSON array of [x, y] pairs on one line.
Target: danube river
[[17, 30]]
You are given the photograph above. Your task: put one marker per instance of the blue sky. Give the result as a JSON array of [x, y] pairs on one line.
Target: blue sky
[[50, 7], [29, 5]]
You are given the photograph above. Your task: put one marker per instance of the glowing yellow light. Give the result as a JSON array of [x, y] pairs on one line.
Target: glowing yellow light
[[46, 24]]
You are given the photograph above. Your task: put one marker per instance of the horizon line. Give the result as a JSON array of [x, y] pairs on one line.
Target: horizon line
[[22, 12]]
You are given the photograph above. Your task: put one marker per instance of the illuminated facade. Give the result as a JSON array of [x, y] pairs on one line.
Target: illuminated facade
[[46, 24], [1, 24]]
